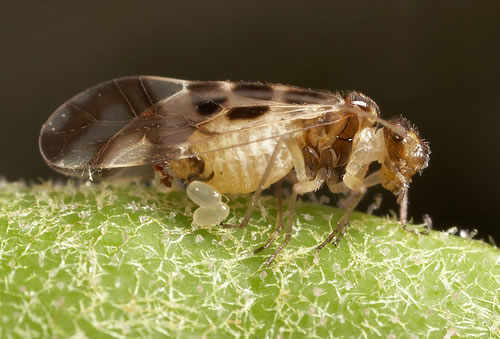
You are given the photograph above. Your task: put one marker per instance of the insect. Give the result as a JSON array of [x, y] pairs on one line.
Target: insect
[[235, 137]]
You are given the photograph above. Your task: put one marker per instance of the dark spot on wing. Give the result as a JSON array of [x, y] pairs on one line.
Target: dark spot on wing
[[300, 96], [247, 112], [254, 90], [203, 86], [209, 106]]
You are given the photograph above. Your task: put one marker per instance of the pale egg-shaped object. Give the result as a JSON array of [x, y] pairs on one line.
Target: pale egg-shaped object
[[209, 216], [203, 195]]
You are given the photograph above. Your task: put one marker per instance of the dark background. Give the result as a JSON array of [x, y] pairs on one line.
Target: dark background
[[436, 62]]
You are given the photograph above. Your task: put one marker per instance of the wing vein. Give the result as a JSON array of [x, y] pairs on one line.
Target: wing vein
[[126, 98], [153, 105]]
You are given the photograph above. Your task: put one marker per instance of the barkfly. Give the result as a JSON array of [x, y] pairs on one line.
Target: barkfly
[[234, 137]]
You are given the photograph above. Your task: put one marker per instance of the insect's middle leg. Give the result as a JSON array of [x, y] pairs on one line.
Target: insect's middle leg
[[279, 220], [301, 187], [289, 224]]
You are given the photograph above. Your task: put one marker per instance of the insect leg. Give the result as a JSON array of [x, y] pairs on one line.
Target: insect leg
[[256, 194], [289, 224], [375, 205], [369, 181], [403, 213], [352, 201], [279, 224], [300, 169], [339, 231], [298, 188], [338, 187], [372, 179], [297, 158], [303, 186], [278, 191]]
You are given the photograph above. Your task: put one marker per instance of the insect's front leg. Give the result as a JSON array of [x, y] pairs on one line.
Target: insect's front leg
[[343, 223], [403, 214], [369, 181], [354, 199]]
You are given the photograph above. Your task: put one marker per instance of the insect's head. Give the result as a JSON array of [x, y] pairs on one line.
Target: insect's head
[[406, 154]]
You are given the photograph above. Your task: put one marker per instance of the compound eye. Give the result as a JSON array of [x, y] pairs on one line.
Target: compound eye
[[397, 138], [360, 103]]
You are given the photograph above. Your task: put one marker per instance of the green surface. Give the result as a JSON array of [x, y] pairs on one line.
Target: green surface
[[100, 261]]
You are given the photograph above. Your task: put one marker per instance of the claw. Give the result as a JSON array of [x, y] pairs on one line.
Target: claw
[[416, 232], [240, 225], [259, 249]]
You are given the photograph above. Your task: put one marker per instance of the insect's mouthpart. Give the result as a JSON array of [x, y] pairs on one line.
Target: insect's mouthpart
[[404, 184]]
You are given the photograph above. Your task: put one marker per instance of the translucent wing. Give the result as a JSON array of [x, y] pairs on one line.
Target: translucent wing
[[123, 126]]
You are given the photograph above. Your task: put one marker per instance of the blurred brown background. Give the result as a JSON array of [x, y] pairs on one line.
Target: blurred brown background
[[436, 62]]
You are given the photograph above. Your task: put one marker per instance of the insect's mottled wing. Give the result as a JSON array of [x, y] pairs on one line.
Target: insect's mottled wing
[[123, 126], [249, 108], [107, 126]]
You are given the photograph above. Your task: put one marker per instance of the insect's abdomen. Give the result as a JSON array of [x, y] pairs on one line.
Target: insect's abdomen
[[239, 169]]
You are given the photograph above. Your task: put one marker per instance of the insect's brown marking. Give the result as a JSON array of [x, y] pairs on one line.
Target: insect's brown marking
[[343, 144], [350, 129], [343, 149], [197, 177], [311, 159], [203, 87], [191, 168], [298, 96], [165, 177], [209, 106], [197, 163], [254, 91], [246, 112]]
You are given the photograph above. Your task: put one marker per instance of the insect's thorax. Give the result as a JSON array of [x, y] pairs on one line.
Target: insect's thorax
[[330, 146]]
